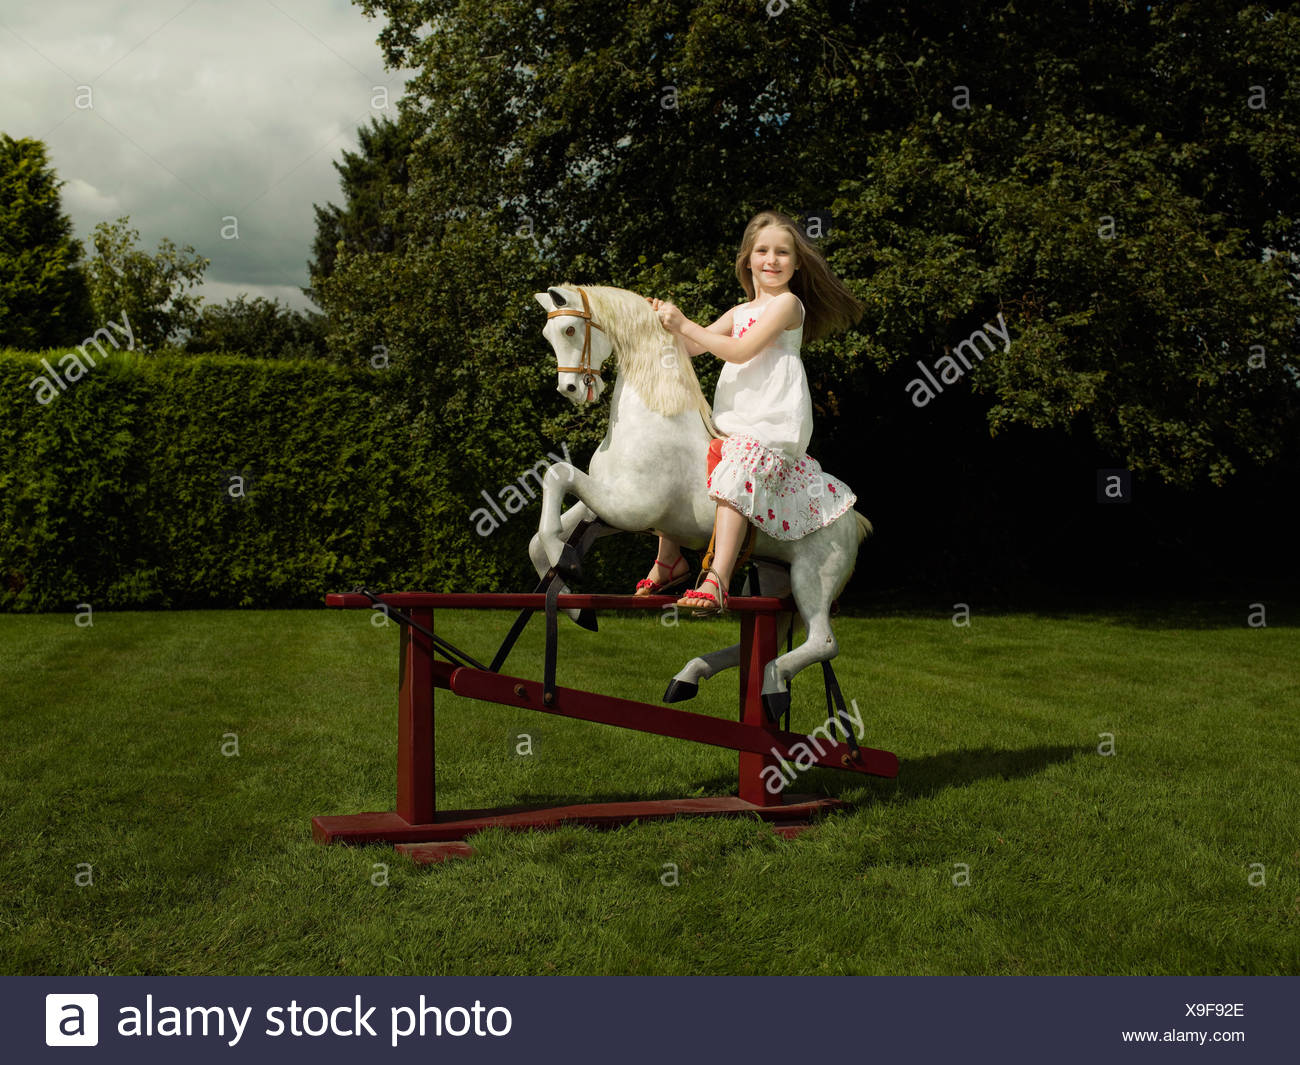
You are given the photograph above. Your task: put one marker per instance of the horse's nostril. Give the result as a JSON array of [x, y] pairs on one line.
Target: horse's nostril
[[573, 388]]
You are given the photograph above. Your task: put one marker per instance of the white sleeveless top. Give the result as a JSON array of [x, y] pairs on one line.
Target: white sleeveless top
[[766, 397]]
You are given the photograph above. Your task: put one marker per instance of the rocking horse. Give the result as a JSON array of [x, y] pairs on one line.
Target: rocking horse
[[648, 476]]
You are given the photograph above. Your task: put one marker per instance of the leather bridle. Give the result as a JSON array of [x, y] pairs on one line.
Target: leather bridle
[[589, 376]]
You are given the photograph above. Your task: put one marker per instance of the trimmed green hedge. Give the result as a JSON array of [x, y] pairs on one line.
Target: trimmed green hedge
[[125, 490]]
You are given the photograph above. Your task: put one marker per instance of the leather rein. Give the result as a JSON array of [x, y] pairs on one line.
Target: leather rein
[[589, 376]]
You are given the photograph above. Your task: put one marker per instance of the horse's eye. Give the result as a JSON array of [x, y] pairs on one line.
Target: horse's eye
[[569, 332]]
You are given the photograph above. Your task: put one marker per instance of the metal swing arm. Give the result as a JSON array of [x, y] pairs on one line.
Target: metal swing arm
[[449, 651]]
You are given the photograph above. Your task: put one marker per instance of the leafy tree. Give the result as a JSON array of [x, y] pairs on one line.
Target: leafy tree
[[374, 184], [259, 328], [152, 290], [43, 297], [1115, 179]]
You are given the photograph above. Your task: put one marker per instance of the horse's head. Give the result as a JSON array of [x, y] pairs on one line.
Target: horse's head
[[581, 345]]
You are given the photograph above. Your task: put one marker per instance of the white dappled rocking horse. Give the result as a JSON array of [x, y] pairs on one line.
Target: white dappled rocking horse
[[648, 475]]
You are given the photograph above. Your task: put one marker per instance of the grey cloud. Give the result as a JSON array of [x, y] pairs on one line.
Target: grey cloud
[[195, 112]]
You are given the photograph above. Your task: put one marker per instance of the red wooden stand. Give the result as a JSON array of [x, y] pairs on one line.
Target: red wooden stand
[[426, 834]]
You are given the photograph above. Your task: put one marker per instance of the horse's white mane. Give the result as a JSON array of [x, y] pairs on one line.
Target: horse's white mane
[[653, 361]]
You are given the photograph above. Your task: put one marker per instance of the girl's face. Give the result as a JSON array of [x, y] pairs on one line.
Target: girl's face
[[772, 260]]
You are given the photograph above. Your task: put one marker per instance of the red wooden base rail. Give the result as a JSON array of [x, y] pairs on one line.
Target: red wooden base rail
[[426, 834]]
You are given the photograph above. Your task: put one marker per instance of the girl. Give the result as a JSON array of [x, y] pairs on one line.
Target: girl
[[764, 474]]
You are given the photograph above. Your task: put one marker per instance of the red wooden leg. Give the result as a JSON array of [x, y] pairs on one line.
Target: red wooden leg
[[757, 648], [415, 789], [417, 822]]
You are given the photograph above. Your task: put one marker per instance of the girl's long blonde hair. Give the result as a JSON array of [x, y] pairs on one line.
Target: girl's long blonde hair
[[828, 305]]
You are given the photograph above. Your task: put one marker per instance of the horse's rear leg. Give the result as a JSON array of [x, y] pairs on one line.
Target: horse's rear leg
[[686, 684]]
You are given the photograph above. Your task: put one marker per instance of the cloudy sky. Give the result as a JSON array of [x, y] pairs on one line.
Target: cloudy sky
[[181, 113]]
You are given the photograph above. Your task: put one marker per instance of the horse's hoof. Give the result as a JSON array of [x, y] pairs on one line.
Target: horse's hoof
[[680, 690], [587, 619], [776, 705]]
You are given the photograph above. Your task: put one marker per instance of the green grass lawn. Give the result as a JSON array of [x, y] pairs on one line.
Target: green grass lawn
[[1077, 862]]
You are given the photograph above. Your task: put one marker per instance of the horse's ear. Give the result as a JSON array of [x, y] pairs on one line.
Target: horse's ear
[[558, 297], [544, 298]]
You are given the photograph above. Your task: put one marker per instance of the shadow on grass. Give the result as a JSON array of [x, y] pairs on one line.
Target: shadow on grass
[[918, 778]]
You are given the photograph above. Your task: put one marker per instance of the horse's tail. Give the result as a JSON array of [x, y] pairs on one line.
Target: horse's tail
[[864, 527]]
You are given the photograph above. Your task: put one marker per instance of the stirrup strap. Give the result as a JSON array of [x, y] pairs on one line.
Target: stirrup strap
[[552, 641], [582, 537], [836, 711], [746, 548], [707, 560]]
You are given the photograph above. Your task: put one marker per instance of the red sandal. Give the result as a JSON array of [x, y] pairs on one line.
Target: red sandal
[[703, 604], [649, 587]]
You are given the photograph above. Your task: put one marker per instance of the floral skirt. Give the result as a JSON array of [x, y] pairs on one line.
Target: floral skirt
[[787, 500]]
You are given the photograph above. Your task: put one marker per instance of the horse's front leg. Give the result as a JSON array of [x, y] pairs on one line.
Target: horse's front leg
[[569, 521], [561, 479], [686, 684], [625, 507]]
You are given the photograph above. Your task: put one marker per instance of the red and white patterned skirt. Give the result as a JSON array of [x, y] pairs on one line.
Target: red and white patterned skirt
[[787, 500]]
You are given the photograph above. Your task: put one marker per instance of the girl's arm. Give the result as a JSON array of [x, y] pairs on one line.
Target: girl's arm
[[722, 327], [784, 313]]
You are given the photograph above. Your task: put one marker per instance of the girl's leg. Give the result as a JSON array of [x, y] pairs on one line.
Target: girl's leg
[[669, 564], [728, 531], [726, 541]]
